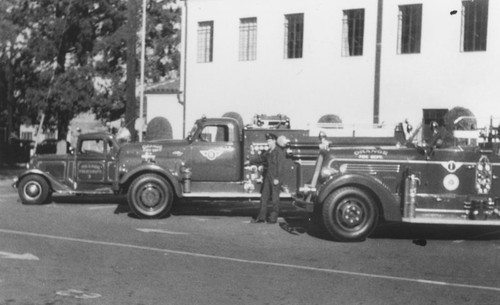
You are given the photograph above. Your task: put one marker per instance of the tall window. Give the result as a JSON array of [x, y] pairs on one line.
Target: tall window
[[248, 39], [474, 25], [353, 32], [410, 28], [205, 41], [294, 35]]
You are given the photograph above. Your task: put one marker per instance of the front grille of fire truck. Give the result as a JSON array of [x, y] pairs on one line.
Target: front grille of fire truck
[[371, 169]]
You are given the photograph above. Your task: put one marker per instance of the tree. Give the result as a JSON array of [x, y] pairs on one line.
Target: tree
[[10, 49], [68, 56]]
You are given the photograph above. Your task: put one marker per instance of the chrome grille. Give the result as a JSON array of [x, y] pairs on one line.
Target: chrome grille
[[370, 168]]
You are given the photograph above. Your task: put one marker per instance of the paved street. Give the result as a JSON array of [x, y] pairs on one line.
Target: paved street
[[94, 252]]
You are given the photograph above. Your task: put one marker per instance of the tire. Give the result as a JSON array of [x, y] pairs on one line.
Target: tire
[[150, 196], [34, 190], [349, 214]]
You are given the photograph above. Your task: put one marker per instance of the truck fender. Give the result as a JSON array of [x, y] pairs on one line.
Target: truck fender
[[152, 169], [389, 203], [54, 184]]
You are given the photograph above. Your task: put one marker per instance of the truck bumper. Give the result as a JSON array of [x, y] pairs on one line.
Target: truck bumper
[[302, 204]]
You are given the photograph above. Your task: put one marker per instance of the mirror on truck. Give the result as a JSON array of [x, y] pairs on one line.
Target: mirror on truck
[[192, 132]]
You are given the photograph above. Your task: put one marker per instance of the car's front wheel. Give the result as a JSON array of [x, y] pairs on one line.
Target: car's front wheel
[[150, 196], [33, 189], [349, 214]]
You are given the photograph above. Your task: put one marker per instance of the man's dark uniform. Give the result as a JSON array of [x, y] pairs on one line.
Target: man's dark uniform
[[272, 160]]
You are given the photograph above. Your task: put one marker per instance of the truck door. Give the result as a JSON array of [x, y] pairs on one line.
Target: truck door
[[95, 164], [216, 154]]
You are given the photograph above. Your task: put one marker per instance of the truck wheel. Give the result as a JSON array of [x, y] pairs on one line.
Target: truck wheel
[[33, 189], [349, 214], [150, 196]]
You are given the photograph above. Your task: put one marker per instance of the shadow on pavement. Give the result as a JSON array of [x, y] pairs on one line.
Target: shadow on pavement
[[418, 233], [94, 199]]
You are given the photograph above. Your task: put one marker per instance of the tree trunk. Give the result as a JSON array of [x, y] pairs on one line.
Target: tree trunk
[[9, 76]]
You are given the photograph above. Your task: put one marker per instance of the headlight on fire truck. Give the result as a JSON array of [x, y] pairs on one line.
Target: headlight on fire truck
[[329, 169], [327, 172]]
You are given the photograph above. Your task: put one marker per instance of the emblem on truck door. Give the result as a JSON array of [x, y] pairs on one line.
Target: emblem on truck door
[[211, 154]]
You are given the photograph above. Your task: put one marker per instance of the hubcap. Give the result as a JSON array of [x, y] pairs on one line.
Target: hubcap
[[351, 213], [32, 189], [150, 196]]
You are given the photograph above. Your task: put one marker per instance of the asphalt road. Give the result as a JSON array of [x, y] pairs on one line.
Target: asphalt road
[[94, 252]]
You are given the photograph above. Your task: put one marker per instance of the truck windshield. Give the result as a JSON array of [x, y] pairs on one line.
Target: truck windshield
[[192, 132]]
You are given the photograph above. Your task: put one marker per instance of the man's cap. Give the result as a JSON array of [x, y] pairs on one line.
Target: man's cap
[[271, 136]]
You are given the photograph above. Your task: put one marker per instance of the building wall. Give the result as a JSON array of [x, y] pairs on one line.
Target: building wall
[[323, 81], [441, 76]]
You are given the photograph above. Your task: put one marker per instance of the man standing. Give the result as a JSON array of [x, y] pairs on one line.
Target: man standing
[[272, 159]]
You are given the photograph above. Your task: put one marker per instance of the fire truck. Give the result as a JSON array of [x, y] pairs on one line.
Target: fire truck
[[355, 187], [352, 183]]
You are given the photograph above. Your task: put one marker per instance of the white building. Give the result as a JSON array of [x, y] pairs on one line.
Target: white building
[[310, 58]]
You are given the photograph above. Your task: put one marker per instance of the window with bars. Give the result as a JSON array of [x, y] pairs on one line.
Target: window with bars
[[353, 32], [27, 135], [205, 41], [294, 35], [410, 28], [248, 39], [474, 25]]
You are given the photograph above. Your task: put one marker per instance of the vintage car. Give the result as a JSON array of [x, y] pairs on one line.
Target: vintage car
[[90, 169]]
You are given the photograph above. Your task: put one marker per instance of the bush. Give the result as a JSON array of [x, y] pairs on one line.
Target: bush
[[159, 128], [330, 118], [464, 124], [234, 115]]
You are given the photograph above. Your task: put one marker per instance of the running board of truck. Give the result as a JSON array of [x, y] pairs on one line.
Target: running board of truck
[[433, 220], [228, 195], [103, 191]]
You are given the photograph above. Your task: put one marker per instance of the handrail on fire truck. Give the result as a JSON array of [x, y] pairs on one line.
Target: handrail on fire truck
[[354, 130], [488, 133]]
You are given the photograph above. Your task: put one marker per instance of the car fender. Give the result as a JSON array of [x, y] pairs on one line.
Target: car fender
[[54, 184], [152, 169], [389, 203]]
